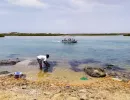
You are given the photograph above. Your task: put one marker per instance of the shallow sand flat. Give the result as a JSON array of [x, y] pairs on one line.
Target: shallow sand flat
[[60, 72], [63, 74]]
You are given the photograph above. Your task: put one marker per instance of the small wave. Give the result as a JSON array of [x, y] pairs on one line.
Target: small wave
[[56, 41]]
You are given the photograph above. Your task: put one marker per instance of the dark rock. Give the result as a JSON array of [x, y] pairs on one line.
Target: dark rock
[[11, 75], [122, 75], [116, 72], [9, 62], [87, 61], [95, 72], [4, 72], [82, 99], [112, 67], [112, 73], [24, 87], [75, 63], [76, 69], [109, 66]]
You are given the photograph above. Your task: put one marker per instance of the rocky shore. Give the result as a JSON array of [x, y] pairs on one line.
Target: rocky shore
[[66, 84], [98, 89], [108, 70], [9, 62]]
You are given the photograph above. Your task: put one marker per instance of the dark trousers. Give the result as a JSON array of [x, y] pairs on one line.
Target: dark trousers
[[46, 64], [40, 63]]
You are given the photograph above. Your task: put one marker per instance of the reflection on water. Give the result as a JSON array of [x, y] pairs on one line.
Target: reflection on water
[[42, 74]]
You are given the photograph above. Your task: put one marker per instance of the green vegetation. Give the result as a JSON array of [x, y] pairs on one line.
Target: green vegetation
[[58, 34], [126, 35], [32, 34], [2, 35], [98, 34]]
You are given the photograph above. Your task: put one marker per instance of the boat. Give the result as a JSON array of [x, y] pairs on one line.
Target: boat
[[69, 40]]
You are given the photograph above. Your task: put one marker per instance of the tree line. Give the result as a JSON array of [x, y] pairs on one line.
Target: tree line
[[59, 34]]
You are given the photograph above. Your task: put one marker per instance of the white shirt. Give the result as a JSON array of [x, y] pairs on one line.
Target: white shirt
[[42, 57]]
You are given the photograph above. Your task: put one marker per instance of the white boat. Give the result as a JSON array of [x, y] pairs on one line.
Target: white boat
[[69, 40]]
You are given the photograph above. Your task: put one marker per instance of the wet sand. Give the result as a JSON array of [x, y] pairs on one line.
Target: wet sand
[[61, 84]]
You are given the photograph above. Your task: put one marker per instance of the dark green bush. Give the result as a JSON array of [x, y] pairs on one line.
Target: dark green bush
[[126, 35], [1, 35]]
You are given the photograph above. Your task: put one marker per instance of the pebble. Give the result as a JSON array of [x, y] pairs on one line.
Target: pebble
[[72, 98], [83, 91], [24, 88], [47, 93], [83, 97]]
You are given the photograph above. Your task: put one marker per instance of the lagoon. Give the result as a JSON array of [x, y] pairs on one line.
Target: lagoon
[[91, 49]]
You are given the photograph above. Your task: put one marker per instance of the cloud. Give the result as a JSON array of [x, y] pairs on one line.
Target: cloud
[[106, 2], [65, 15], [84, 3], [95, 5], [28, 3], [110, 2]]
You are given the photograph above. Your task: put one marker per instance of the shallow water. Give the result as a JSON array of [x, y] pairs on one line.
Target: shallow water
[[89, 49]]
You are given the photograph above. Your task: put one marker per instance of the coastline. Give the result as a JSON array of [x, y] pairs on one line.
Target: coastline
[[97, 89], [61, 84], [62, 34]]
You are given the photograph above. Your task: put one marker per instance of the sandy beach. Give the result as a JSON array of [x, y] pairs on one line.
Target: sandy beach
[[61, 84], [97, 89]]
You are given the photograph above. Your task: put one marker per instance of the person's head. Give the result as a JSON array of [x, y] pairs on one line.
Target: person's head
[[47, 55]]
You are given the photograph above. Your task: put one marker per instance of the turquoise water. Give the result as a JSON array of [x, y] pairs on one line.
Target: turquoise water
[[105, 49]]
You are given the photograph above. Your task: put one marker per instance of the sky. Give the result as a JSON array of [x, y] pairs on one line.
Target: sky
[[65, 16]]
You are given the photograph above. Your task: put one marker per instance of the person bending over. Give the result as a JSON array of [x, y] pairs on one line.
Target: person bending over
[[43, 59]]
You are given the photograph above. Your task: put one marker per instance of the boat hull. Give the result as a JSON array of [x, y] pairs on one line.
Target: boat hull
[[69, 41]]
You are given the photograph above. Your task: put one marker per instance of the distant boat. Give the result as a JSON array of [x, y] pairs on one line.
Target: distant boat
[[69, 40]]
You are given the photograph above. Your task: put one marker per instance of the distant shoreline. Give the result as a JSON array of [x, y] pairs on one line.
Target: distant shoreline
[[61, 34]]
